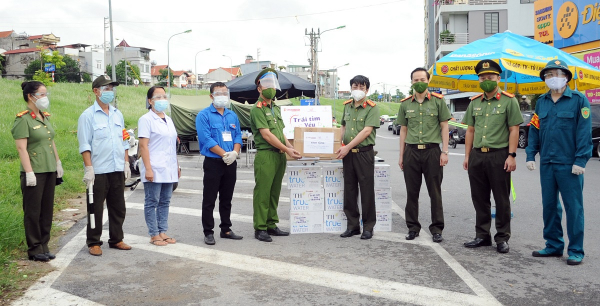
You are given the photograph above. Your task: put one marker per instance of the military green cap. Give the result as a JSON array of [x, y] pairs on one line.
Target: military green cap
[[487, 66], [263, 72], [557, 64], [103, 80]]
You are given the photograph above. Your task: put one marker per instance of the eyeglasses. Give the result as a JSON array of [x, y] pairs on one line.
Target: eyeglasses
[[163, 97], [41, 94], [554, 74], [220, 93]]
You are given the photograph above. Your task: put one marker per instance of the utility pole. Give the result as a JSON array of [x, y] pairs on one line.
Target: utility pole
[[314, 61]]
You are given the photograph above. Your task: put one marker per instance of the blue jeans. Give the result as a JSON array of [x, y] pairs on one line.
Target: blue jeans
[[156, 206]]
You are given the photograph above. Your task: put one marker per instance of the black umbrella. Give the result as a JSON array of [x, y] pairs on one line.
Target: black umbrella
[[244, 89]]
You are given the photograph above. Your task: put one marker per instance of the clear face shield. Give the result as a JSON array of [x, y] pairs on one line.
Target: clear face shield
[[269, 80]]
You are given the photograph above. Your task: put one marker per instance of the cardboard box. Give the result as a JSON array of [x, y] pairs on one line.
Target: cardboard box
[[334, 222], [383, 176], [333, 176], [334, 199], [304, 177], [317, 142], [307, 200], [306, 222]]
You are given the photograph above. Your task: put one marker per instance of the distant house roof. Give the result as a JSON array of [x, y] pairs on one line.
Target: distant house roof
[[18, 51], [5, 34], [155, 71], [232, 71]]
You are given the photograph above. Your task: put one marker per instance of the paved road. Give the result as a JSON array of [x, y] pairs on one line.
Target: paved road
[[318, 269]]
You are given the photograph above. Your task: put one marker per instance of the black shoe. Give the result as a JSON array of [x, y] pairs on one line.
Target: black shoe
[[502, 247], [277, 232], [437, 237], [478, 242], [366, 235], [262, 236], [231, 235], [39, 257], [349, 233], [412, 235], [50, 255], [209, 239]]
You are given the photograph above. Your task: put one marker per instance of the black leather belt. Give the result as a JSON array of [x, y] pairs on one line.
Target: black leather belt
[[486, 150], [275, 150], [362, 149], [423, 146]]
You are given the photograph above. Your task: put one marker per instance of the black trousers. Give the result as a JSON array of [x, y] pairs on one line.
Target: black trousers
[[486, 175], [218, 178], [38, 205], [419, 164], [109, 187], [359, 170]]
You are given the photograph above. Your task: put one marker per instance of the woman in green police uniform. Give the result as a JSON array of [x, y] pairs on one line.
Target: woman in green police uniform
[[40, 168]]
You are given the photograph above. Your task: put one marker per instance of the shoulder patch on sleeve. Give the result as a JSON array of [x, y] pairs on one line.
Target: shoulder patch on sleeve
[[347, 101], [477, 96], [585, 112], [371, 103], [437, 95], [22, 113], [508, 94], [406, 98]]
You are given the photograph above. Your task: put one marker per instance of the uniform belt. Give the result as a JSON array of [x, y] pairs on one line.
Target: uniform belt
[[275, 150], [486, 150], [423, 146], [362, 149]]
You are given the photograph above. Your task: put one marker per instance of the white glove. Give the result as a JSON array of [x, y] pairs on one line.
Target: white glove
[[577, 170], [30, 179], [531, 165], [127, 170], [59, 169], [230, 157], [88, 175]]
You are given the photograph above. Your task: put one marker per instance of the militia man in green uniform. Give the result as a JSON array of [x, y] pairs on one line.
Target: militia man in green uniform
[[491, 140], [269, 164], [359, 123], [424, 119]]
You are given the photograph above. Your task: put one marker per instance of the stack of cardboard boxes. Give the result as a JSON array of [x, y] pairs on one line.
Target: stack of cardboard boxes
[[317, 198]]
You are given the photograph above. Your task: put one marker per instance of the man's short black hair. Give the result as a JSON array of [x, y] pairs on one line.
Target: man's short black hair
[[217, 84], [420, 69], [360, 80]]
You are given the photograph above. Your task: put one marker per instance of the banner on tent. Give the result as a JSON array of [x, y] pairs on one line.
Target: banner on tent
[[305, 116]]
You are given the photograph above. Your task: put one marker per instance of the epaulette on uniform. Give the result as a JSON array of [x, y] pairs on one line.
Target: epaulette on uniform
[[406, 98], [22, 113], [437, 95], [508, 94], [477, 96], [348, 101]]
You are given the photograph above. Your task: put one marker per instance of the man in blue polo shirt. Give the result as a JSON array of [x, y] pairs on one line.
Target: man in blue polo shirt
[[220, 141]]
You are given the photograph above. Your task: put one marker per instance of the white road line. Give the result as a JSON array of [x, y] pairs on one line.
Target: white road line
[[401, 292]]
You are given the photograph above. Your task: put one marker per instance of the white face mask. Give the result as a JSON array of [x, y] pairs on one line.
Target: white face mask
[[221, 101], [42, 103], [556, 83], [358, 95]]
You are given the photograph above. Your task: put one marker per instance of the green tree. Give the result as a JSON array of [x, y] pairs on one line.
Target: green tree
[[133, 72], [162, 78]]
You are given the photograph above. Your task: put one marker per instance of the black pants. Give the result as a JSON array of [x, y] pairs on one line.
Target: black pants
[[109, 187], [218, 178], [419, 164], [359, 170], [487, 174], [38, 205]]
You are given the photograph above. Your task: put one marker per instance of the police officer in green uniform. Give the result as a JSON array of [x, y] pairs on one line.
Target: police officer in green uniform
[[359, 123], [424, 120], [270, 162], [40, 168], [491, 140]]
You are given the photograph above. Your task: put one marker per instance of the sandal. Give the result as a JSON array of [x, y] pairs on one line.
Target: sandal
[[158, 242]]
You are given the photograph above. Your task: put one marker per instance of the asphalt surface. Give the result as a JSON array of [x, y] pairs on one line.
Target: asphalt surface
[[324, 269]]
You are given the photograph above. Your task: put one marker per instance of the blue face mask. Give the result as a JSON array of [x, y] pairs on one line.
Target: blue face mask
[[107, 96], [161, 105]]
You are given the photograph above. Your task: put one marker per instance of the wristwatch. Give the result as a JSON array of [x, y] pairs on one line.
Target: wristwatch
[[514, 154]]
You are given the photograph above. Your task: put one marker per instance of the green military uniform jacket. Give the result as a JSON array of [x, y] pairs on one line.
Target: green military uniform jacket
[[356, 118], [264, 117], [422, 120], [40, 135], [492, 118]]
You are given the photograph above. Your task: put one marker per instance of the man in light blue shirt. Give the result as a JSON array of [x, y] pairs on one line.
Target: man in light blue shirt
[[104, 147], [220, 140]]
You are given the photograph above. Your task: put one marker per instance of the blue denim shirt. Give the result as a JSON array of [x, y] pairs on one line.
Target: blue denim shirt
[[102, 135], [564, 135], [210, 125]]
